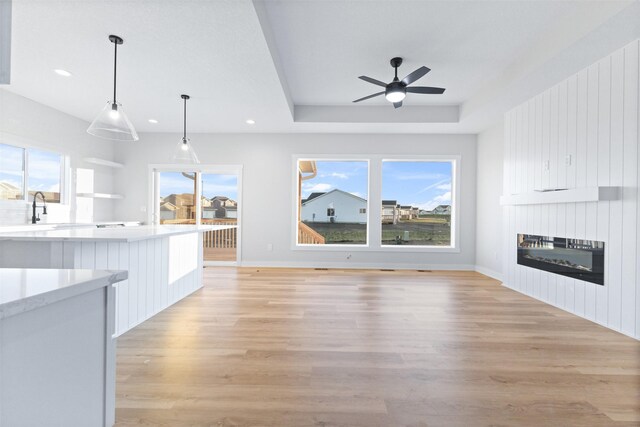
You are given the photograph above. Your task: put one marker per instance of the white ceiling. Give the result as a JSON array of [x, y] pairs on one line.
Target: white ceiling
[[240, 59], [324, 46]]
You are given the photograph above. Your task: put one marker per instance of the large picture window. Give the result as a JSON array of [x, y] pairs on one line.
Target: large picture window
[[332, 202], [417, 203], [27, 171]]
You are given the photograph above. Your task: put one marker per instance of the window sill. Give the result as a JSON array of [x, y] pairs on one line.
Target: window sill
[[366, 248]]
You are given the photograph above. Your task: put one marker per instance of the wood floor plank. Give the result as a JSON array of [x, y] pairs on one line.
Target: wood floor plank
[[302, 347]]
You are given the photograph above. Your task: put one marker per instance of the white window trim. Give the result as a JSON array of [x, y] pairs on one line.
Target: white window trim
[[374, 192], [65, 171], [294, 222], [455, 211], [153, 190]]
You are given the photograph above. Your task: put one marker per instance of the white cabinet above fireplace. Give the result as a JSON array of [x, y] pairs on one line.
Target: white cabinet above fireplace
[[571, 195]]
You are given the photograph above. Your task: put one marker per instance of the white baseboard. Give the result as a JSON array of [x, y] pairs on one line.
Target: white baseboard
[[359, 266], [488, 272]]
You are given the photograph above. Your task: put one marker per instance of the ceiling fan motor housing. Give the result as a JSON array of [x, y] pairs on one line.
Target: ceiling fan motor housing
[[395, 87]]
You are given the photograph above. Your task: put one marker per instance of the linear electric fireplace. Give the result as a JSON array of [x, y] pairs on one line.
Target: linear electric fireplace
[[580, 259]]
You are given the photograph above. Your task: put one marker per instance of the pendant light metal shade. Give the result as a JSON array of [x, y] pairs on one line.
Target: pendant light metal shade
[[112, 122], [184, 152]]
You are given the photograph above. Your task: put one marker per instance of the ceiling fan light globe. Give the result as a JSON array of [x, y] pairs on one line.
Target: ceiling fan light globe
[[395, 96]]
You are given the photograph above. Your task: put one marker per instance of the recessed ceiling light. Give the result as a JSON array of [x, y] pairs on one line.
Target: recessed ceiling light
[[251, 122], [154, 121], [63, 73]]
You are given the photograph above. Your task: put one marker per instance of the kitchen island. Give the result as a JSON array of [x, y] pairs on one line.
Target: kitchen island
[[57, 352], [164, 261]]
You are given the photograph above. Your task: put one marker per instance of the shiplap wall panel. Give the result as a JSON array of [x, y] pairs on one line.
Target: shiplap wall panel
[[614, 260], [603, 178], [134, 273], [582, 132], [630, 199]]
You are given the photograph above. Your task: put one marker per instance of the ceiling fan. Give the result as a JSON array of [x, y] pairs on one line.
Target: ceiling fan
[[397, 89]]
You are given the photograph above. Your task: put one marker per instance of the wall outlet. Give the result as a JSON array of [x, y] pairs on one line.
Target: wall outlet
[[143, 208], [348, 256], [269, 247], [545, 165], [567, 160]]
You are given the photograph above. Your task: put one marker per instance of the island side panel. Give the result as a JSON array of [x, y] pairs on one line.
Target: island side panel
[[56, 372], [30, 254], [162, 271]]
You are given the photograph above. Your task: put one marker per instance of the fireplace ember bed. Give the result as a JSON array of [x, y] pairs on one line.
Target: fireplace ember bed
[[579, 259]]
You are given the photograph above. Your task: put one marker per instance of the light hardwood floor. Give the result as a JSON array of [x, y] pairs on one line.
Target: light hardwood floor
[[295, 347]]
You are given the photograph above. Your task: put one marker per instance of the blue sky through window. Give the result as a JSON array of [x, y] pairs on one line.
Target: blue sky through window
[[422, 184], [212, 185], [45, 169], [219, 185], [349, 176], [11, 165]]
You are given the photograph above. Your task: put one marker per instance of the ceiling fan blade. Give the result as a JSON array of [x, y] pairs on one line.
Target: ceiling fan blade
[[426, 89], [397, 104], [370, 96], [374, 81], [415, 75]]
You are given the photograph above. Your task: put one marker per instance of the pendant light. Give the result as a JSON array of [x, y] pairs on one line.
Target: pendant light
[[112, 123], [184, 151]]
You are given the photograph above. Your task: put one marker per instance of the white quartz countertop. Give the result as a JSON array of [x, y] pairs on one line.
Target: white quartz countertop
[[119, 234], [25, 289], [61, 225]]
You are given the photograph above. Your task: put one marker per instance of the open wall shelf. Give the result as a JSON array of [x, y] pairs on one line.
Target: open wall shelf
[[100, 195], [571, 195], [102, 162]]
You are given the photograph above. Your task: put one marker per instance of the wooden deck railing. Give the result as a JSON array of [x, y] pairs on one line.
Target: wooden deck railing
[[309, 236], [220, 238], [216, 239]]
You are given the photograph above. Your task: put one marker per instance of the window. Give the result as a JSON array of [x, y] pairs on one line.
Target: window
[[202, 194], [44, 171], [417, 203], [37, 170], [177, 197], [332, 202], [11, 172]]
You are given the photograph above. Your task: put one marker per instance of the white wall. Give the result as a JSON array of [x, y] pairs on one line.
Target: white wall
[[27, 123], [268, 181], [593, 117], [488, 210]]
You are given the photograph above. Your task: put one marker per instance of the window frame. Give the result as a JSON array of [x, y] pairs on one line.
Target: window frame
[[65, 172], [455, 190], [153, 191], [374, 191], [294, 222]]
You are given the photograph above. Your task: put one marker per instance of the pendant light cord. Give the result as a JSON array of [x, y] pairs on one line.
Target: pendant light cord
[[115, 70], [184, 135]]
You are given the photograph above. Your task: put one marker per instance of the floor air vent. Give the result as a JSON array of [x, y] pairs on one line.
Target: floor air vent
[[424, 271], [320, 268], [387, 269]]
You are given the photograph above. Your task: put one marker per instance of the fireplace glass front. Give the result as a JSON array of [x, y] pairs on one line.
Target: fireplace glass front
[[580, 259]]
